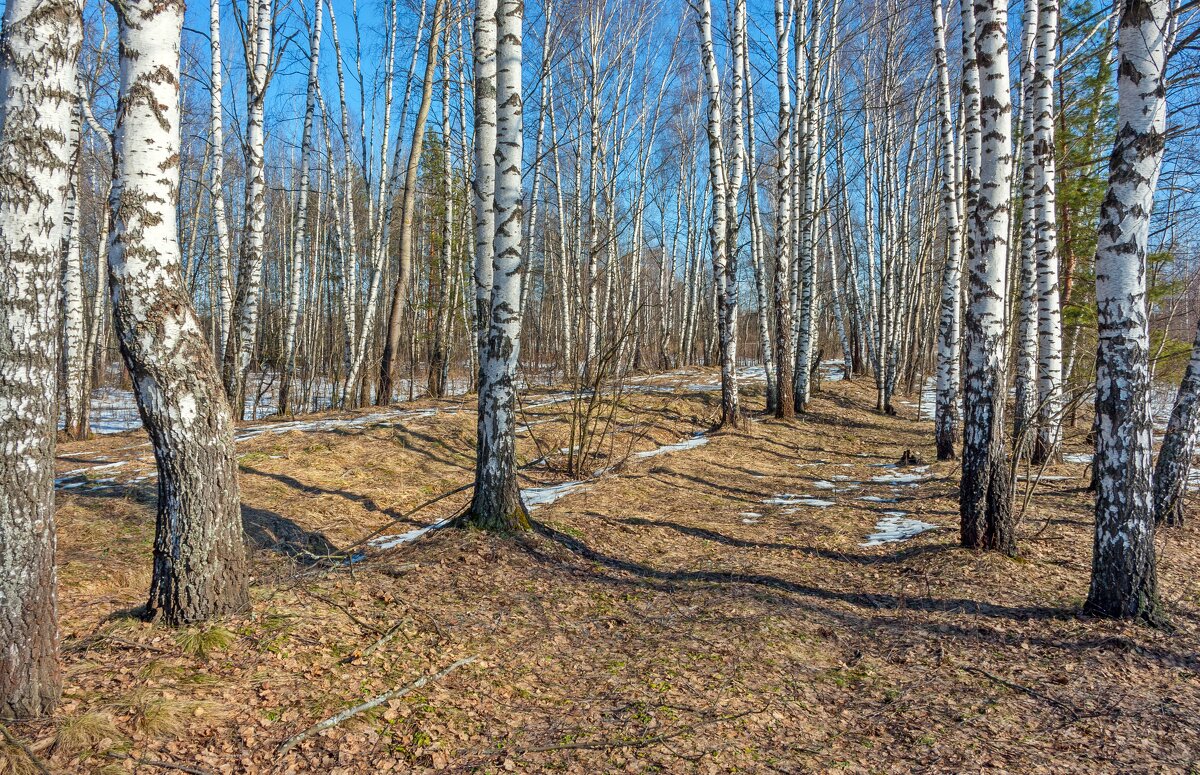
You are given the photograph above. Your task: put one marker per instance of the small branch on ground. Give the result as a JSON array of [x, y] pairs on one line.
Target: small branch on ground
[[349, 713], [13, 740]]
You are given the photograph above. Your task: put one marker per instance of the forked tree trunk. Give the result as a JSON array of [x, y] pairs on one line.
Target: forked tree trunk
[[199, 557], [39, 47], [496, 504], [986, 502], [1124, 583]]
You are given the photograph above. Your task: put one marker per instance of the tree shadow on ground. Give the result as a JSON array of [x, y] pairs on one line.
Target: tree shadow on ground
[[272, 532]]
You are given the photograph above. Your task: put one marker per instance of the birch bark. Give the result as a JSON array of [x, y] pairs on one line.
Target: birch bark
[[1124, 580], [985, 501], [199, 558], [39, 46]]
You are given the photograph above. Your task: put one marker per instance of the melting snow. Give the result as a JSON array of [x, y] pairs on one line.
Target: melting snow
[[697, 440], [542, 496], [896, 526]]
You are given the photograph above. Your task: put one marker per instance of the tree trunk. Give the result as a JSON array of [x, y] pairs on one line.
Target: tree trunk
[[39, 46], [986, 499], [1178, 446], [949, 347], [785, 402], [199, 557], [496, 504], [1123, 574], [391, 344]]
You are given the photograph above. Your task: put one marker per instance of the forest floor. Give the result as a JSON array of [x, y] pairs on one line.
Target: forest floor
[[712, 607]]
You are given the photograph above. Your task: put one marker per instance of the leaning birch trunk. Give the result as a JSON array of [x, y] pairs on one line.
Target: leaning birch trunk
[[1179, 444], [1123, 574], [785, 404], [243, 329], [1048, 441], [496, 504], [949, 344], [74, 336], [199, 558], [39, 47], [300, 233], [391, 343], [985, 500], [718, 228]]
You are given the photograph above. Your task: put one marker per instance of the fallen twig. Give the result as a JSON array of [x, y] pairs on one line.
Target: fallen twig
[[1068, 709], [333, 721], [11, 740], [343, 609], [161, 764], [392, 632]]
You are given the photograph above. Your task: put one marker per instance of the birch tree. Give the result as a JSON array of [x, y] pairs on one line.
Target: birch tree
[[785, 403], [39, 46], [946, 417], [74, 337], [300, 230], [1124, 580], [243, 330], [1178, 445], [496, 504], [985, 500], [1049, 320], [724, 269], [199, 558]]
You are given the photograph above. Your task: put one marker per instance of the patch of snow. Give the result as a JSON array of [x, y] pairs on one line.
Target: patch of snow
[[392, 541], [898, 478], [698, 440], [896, 527], [543, 496], [878, 499]]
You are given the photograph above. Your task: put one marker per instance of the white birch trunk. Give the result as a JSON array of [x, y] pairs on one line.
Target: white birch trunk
[[199, 557], [74, 337], [300, 248], [1178, 446], [985, 500], [497, 503], [1047, 445], [1123, 569], [949, 345], [39, 46]]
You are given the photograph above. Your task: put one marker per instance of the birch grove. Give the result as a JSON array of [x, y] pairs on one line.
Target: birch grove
[[791, 208]]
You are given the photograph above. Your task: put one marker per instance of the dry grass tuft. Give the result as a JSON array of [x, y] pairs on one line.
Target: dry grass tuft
[[95, 731], [159, 713], [204, 641]]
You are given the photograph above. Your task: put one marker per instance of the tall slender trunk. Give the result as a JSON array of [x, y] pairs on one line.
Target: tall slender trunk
[[496, 504], [986, 498], [724, 281], [785, 403], [391, 345], [1047, 445], [74, 387], [1025, 378], [199, 558], [949, 344], [1124, 580], [300, 234], [216, 128], [243, 331], [39, 46]]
